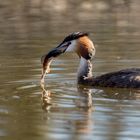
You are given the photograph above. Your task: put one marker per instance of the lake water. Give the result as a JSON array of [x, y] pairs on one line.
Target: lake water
[[29, 29]]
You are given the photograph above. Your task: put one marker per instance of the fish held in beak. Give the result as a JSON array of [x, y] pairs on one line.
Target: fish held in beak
[[47, 59]]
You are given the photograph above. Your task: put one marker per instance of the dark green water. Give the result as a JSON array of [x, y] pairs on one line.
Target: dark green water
[[29, 29]]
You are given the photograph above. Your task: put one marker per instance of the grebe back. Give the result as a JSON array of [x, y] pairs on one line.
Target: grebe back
[[80, 43]]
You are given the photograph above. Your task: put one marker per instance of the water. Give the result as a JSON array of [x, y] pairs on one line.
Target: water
[[29, 29]]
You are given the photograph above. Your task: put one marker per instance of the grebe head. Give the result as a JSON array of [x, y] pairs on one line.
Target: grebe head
[[78, 42]]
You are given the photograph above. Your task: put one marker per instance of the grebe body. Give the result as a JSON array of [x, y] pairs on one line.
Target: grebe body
[[126, 78], [80, 43]]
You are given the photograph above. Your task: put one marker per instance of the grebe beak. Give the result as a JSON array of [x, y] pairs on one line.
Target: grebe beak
[[47, 59], [55, 52]]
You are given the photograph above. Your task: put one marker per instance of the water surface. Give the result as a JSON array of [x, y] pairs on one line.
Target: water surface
[[29, 30]]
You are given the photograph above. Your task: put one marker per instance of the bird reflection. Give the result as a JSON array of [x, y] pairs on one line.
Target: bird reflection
[[84, 97], [120, 94], [78, 117], [46, 99]]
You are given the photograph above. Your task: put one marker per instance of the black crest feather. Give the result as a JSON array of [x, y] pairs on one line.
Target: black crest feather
[[74, 36]]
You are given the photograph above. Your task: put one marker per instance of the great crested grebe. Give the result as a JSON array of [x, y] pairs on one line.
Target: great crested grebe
[[80, 43]]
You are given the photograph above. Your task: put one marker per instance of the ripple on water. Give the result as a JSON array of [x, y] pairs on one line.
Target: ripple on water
[[27, 86]]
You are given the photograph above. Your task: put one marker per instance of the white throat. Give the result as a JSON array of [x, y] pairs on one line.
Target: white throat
[[85, 69], [72, 46]]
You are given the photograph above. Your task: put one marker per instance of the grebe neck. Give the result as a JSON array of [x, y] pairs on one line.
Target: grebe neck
[[84, 71]]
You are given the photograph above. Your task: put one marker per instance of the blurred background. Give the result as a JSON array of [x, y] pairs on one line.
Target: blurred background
[[29, 29], [28, 20]]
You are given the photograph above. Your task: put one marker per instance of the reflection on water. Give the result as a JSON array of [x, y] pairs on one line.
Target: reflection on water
[[84, 98], [121, 94], [28, 30], [111, 108], [77, 118]]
